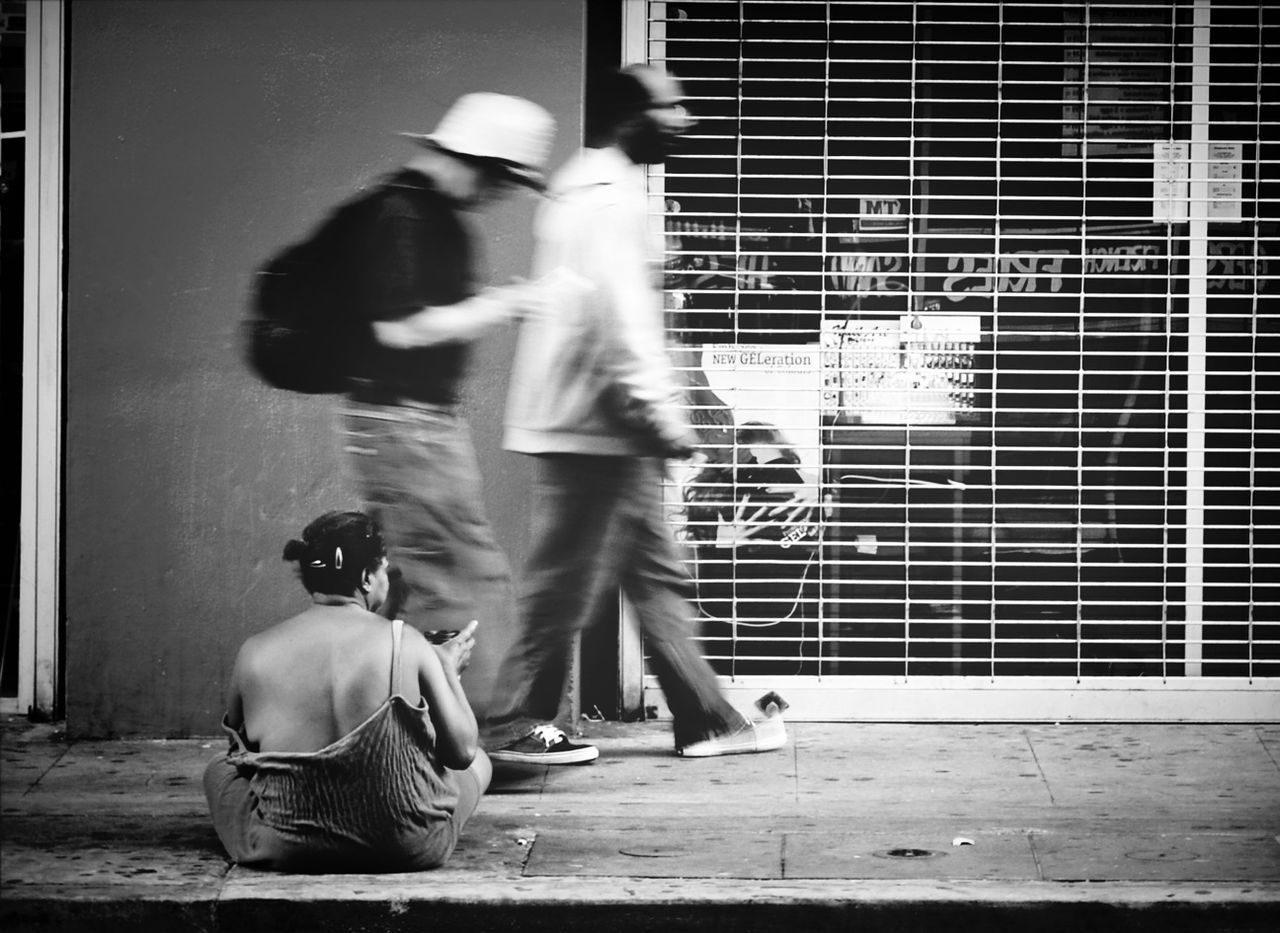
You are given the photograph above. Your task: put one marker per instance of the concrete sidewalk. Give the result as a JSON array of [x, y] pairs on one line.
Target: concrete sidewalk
[[866, 827]]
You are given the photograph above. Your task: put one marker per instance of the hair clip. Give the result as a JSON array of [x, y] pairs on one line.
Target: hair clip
[[337, 558]]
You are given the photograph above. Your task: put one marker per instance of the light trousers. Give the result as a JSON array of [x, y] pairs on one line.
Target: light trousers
[[597, 526]]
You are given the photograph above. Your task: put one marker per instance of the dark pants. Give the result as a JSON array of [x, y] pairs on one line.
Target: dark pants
[[598, 524]]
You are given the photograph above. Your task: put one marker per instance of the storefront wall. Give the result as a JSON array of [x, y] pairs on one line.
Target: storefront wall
[[203, 136], [994, 281], [976, 303]]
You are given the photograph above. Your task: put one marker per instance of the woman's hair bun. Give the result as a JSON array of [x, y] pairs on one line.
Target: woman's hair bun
[[294, 549], [335, 551]]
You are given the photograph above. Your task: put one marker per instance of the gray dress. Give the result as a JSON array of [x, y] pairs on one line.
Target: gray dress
[[376, 800]]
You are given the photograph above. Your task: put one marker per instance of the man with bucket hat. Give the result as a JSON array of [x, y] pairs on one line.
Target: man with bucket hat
[[409, 447]]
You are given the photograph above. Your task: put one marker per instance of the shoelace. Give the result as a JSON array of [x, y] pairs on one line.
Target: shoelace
[[549, 734]]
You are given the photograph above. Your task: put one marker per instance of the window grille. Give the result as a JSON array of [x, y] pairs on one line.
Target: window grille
[[975, 303]]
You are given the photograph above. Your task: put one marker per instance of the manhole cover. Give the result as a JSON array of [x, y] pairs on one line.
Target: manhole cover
[[908, 853], [652, 852]]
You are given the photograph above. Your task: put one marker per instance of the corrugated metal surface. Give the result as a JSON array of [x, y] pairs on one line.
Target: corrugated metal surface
[[976, 302]]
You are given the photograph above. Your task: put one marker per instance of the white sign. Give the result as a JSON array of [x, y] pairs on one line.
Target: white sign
[[1171, 174], [917, 369], [760, 479], [881, 214], [1226, 184], [775, 384]]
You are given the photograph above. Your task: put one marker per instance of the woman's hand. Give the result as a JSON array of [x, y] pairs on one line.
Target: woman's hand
[[457, 737], [455, 654]]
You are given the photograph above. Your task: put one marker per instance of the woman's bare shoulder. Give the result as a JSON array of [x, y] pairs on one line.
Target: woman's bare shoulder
[[413, 644], [315, 629]]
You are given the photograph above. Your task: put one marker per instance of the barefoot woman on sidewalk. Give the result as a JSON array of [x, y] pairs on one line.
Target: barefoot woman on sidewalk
[[353, 746]]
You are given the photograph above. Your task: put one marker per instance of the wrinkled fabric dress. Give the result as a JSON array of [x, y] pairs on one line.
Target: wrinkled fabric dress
[[376, 800]]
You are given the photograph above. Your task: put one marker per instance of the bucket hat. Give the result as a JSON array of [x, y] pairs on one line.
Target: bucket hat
[[513, 132]]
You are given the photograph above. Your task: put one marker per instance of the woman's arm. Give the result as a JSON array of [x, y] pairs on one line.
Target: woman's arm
[[457, 735], [235, 694]]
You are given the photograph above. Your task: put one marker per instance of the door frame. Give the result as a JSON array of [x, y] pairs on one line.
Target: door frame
[[40, 518]]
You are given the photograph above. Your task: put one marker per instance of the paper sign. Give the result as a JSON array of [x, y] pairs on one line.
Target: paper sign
[[1170, 182], [1226, 186]]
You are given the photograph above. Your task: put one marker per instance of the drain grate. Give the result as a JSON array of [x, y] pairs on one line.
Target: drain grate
[[653, 852], [1162, 855], [909, 853]]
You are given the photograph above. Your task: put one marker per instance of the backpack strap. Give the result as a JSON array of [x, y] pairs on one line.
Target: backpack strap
[[397, 629]]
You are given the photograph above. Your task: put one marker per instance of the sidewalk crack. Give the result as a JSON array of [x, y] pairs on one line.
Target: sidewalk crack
[[528, 853], [1265, 747], [1036, 758], [795, 766], [1035, 856], [53, 764]]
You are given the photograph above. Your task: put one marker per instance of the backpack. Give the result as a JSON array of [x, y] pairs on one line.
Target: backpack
[[302, 325]]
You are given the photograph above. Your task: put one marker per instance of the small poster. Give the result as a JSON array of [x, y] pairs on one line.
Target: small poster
[[912, 369], [1226, 181], [1171, 179], [756, 482]]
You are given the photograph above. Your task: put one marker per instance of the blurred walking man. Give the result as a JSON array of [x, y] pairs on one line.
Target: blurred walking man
[[594, 399]]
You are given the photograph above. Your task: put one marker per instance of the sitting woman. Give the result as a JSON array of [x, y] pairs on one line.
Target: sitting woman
[[353, 746]]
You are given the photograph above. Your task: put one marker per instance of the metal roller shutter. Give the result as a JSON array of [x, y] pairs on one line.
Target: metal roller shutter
[[976, 307]]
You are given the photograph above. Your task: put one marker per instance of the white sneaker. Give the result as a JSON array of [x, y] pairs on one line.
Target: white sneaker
[[766, 735]]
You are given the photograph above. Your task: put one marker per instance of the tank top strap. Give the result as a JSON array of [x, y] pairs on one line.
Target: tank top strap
[[397, 630]]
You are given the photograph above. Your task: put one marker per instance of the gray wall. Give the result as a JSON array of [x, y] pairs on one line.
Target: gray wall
[[203, 135]]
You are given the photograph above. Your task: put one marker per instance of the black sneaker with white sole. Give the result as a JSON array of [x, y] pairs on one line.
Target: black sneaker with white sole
[[545, 745]]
